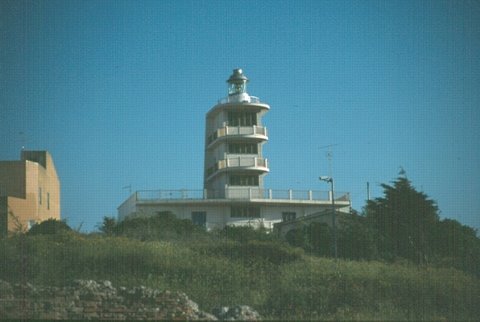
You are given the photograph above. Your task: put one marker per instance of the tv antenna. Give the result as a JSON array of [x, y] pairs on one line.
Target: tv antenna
[[329, 156], [23, 139]]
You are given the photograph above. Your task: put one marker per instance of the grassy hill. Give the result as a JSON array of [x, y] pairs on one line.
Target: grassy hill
[[244, 267]]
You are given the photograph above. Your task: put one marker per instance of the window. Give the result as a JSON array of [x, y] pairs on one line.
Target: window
[[39, 196], [243, 148], [242, 118], [243, 180], [48, 200], [244, 212], [288, 216], [199, 218]]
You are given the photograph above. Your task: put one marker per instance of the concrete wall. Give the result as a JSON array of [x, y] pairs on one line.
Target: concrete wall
[[31, 190], [219, 215]]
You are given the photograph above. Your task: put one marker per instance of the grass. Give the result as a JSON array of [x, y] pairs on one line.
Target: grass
[[279, 281]]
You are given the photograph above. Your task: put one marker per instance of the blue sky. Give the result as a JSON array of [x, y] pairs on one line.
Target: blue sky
[[117, 91]]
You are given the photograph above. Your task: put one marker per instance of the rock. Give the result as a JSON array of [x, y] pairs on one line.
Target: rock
[[235, 313]]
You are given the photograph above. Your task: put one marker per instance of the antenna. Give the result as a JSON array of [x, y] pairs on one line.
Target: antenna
[[23, 139], [329, 156]]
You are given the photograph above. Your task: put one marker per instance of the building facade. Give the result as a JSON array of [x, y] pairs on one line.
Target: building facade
[[29, 191], [234, 171]]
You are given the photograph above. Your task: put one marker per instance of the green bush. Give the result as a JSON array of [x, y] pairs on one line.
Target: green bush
[[245, 234], [49, 227], [162, 226]]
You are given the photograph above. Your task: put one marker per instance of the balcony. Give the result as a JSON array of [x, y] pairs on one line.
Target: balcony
[[240, 163], [254, 131], [242, 99], [242, 193]]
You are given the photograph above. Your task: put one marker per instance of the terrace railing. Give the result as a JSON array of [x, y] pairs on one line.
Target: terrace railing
[[240, 193]]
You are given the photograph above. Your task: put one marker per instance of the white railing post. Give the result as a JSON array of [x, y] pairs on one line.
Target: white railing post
[[330, 195], [309, 194], [290, 194], [269, 193]]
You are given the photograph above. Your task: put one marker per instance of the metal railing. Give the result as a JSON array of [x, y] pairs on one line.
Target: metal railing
[[237, 130], [239, 193], [228, 99]]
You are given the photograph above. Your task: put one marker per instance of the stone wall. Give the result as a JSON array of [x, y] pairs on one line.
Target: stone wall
[[90, 300]]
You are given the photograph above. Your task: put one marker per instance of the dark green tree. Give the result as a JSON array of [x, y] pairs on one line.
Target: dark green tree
[[404, 221], [108, 225]]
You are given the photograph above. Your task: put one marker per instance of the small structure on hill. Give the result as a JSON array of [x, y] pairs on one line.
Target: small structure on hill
[[29, 191]]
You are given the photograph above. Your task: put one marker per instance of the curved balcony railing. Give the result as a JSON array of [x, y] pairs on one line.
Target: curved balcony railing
[[252, 131], [234, 99], [242, 162]]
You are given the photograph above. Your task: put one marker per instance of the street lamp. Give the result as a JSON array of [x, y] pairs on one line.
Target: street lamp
[[334, 226]]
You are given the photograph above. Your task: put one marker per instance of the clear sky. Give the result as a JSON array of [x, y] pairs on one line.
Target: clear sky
[[117, 92]]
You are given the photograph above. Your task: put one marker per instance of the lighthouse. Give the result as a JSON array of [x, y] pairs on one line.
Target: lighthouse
[[233, 176], [234, 137]]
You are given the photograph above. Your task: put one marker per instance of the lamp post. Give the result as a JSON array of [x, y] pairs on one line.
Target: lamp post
[[334, 226]]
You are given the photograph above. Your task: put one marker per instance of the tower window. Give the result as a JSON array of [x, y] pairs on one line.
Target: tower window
[[243, 148], [39, 196], [242, 118], [243, 180]]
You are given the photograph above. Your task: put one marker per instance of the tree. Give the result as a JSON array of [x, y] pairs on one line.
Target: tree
[[404, 221], [108, 225]]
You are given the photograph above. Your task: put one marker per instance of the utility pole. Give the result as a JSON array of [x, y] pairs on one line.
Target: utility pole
[[334, 225]]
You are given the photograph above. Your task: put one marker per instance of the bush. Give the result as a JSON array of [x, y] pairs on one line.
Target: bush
[[49, 227], [245, 234], [162, 226]]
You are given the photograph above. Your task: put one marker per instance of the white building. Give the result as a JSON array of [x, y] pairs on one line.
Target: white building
[[234, 169]]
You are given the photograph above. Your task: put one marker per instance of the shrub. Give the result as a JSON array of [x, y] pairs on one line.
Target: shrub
[[162, 226], [49, 227], [244, 234]]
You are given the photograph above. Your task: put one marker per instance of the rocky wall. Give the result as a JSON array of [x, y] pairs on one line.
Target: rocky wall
[[91, 300]]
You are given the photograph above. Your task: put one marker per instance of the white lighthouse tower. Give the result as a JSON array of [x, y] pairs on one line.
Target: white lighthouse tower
[[234, 168], [234, 136]]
